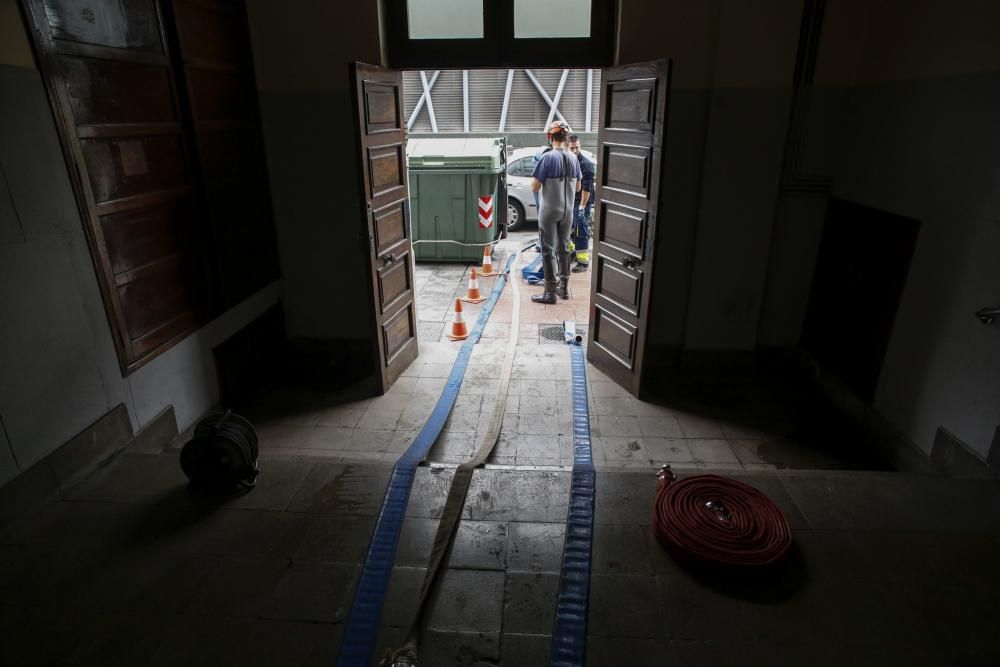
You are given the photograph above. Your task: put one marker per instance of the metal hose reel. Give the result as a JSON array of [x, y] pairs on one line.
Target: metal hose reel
[[222, 455]]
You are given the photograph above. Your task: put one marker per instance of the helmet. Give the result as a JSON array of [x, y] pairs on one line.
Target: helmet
[[557, 127]]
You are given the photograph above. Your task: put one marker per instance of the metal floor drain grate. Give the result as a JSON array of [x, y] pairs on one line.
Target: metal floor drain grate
[[430, 332], [553, 333]]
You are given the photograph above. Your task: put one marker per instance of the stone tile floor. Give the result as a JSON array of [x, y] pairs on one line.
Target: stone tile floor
[[752, 428], [744, 428], [129, 568]]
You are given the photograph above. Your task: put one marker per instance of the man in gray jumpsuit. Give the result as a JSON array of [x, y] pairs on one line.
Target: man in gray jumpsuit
[[557, 176]]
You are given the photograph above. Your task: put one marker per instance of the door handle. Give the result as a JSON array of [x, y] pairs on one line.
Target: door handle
[[390, 258], [630, 263]]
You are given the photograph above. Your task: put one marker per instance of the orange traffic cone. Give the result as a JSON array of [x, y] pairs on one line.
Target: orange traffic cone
[[458, 329], [473, 296], [487, 262]]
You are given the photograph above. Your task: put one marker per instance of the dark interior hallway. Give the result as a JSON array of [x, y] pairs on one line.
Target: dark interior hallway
[[205, 205]]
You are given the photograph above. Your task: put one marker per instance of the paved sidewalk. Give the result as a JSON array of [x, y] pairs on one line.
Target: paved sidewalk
[[438, 285]]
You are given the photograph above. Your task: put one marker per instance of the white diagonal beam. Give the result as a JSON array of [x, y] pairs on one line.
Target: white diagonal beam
[[430, 104], [506, 100], [423, 98], [555, 100], [465, 99], [545, 95], [590, 96]]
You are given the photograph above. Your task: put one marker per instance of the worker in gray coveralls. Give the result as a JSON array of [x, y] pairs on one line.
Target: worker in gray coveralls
[[557, 175]]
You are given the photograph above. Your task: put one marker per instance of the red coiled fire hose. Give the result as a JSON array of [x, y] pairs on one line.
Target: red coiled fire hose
[[713, 520]]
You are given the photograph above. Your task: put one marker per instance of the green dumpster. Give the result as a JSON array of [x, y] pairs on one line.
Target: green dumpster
[[447, 179]]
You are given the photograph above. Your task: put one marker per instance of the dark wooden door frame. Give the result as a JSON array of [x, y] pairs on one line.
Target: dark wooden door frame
[[632, 131], [381, 140], [628, 188], [48, 53], [245, 191]]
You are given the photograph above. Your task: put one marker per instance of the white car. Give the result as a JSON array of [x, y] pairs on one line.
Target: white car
[[520, 199]]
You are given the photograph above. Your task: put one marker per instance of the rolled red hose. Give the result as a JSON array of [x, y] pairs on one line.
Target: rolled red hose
[[713, 520]]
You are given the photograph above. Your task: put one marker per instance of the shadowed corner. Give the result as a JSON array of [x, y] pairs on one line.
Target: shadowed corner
[[773, 584]]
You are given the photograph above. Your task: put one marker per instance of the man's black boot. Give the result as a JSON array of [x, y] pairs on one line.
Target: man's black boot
[[545, 297], [562, 290]]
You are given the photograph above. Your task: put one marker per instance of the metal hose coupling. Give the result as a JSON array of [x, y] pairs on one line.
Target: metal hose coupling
[[666, 475], [404, 656], [569, 333]]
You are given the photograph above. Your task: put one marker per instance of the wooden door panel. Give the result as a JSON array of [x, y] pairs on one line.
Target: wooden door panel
[[387, 170], [621, 287], [399, 333], [157, 293], [394, 283], [614, 336], [390, 226], [121, 25], [631, 105], [113, 90], [378, 96], [137, 237], [106, 91], [383, 105], [219, 90], [130, 166], [170, 331], [622, 228], [626, 168], [630, 150]]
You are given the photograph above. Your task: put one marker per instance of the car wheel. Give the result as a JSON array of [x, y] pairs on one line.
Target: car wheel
[[515, 215]]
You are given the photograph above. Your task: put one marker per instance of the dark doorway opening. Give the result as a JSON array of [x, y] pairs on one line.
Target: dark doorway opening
[[864, 258]]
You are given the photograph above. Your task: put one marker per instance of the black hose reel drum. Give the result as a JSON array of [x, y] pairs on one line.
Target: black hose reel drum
[[222, 455]]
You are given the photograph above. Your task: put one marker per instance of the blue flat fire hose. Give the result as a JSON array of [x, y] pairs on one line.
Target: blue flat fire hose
[[361, 629], [569, 633], [533, 272]]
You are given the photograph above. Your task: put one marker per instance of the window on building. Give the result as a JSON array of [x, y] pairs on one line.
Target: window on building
[[558, 19], [497, 33], [445, 19]]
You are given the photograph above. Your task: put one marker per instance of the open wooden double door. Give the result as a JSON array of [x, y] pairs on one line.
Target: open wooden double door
[[633, 111]]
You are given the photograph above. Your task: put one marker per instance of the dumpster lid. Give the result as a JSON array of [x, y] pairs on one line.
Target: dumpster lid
[[481, 153]]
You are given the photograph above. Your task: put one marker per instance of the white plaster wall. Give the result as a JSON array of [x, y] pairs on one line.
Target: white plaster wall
[[59, 369]]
